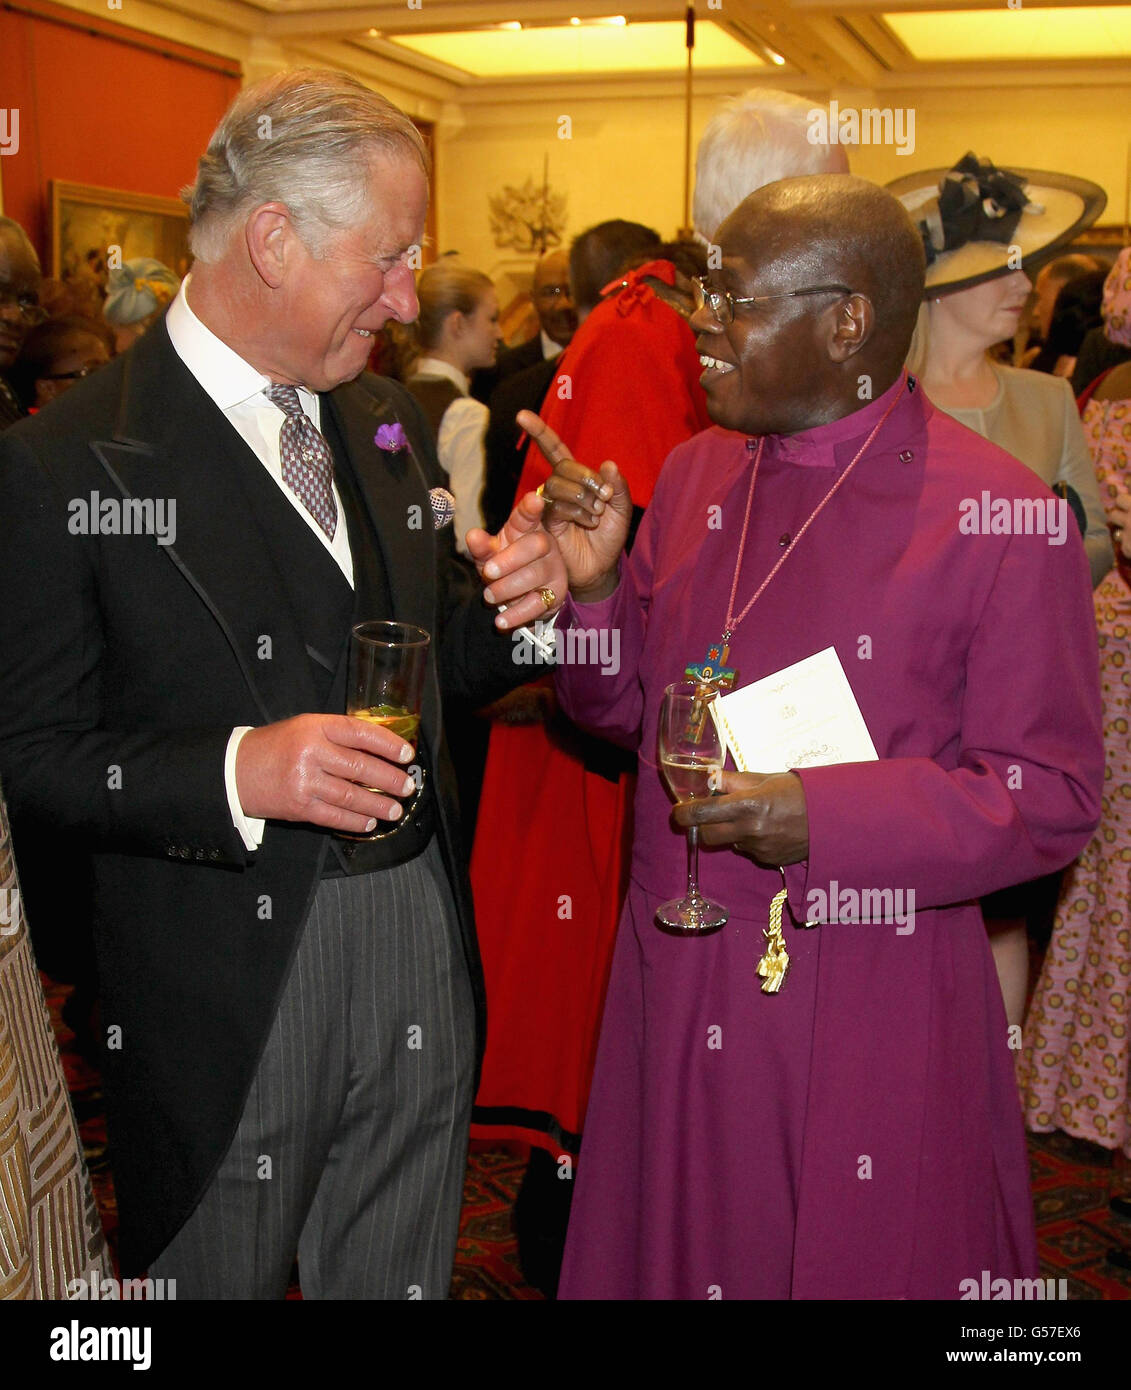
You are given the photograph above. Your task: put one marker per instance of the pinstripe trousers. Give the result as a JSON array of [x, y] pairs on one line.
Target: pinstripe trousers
[[352, 1145]]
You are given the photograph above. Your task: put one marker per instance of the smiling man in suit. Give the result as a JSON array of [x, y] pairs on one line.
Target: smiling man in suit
[[291, 1019]]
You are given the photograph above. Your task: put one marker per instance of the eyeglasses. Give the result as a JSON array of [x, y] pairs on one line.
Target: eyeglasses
[[26, 305], [552, 292], [722, 303]]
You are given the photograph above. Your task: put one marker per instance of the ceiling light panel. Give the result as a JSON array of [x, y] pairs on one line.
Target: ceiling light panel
[[951, 36], [584, 48]]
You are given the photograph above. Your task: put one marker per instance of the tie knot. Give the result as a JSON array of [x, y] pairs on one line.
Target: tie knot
[[286, 398]]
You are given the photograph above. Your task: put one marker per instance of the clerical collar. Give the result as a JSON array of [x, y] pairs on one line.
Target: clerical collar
[[817, 447]]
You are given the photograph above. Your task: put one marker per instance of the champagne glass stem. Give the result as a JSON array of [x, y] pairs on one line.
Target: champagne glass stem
[[693, 862]]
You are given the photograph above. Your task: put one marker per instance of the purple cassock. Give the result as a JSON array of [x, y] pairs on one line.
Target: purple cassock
[[858, 1135]]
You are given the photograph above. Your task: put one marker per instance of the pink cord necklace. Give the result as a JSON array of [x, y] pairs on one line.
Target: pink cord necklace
[[712, 672]]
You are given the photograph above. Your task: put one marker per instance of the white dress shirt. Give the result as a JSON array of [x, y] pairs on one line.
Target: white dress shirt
[[460, 447], [237, 389]]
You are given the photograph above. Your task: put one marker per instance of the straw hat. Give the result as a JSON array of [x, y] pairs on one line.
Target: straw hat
[[973, 215]]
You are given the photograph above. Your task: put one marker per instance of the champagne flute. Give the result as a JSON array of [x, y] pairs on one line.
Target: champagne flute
[[387, 665], [691, 754]]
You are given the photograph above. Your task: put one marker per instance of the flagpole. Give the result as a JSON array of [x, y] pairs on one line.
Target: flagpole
[[685, 230]]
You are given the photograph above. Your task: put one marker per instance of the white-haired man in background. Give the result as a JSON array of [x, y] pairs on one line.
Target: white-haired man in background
[[755, 139], [291, 1018]]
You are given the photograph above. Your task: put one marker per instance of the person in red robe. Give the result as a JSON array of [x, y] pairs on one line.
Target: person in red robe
[[631, 370]]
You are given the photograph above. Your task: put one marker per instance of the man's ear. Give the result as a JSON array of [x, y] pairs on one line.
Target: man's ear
[[271, 240], [853, 323]]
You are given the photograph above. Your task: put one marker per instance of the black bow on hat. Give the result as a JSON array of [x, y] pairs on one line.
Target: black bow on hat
[[977, 202]]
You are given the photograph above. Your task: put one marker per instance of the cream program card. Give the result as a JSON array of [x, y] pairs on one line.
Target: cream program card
[[804, 715]]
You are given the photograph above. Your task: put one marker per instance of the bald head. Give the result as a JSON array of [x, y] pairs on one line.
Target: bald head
[[837, 227], [822, 355]]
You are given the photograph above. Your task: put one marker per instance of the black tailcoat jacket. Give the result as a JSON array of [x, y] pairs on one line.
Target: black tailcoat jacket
[[124, 666]]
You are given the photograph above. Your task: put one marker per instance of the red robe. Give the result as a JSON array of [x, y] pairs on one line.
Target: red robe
[[548, 868]]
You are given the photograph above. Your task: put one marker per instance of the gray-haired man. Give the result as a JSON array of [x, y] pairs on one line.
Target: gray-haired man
[[291, 1019]]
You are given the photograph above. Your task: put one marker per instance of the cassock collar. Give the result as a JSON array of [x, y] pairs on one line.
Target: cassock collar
[[826, 446]]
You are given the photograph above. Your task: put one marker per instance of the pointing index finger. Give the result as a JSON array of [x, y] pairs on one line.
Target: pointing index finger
[[554, 451]]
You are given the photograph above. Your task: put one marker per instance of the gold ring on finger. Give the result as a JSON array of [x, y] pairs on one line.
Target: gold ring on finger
[[548, 597]]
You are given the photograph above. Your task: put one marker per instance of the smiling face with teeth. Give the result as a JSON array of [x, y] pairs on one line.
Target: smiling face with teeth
[[758, 370], [326, 309], [791, 364]]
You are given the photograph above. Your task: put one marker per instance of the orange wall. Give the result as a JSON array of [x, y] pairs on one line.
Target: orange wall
[[114, 108]]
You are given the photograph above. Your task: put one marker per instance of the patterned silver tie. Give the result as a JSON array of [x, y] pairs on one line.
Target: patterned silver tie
[[308, 465]]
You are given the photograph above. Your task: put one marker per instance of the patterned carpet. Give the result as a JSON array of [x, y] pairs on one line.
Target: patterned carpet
[[1073, 1182]]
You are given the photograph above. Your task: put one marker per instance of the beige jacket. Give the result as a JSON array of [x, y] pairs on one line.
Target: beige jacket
[[1034, 418]]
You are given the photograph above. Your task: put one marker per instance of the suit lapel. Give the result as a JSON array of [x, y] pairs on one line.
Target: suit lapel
[[395, 495], [172, 442], [394, 490]]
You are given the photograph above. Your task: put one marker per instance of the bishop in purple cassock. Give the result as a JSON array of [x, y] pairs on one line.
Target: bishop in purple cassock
[[857, 1135]]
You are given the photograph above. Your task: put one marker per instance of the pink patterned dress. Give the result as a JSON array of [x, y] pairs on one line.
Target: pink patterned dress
[[1075, 1068]]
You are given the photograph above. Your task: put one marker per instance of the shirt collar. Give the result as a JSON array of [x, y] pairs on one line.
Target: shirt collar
[[549, 347], [220, 370], [823, 445], [435, 366]]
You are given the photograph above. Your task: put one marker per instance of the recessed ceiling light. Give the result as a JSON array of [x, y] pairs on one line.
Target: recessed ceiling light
[[489, 51], [775, 57]]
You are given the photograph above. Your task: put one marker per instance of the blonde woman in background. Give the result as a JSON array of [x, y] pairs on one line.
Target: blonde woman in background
[[977, 223], [456, 332]]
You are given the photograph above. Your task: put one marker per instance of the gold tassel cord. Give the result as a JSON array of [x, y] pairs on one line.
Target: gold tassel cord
[[774, 964]]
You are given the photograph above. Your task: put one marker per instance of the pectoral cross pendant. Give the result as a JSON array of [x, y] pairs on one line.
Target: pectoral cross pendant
[[712, 673], [710, 676], [774, 964]]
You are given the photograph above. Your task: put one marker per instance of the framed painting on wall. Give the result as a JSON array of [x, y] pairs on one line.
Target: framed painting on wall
[[86, 222]]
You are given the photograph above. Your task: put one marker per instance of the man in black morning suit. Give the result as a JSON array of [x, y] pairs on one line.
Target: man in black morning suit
[[291, 1020]]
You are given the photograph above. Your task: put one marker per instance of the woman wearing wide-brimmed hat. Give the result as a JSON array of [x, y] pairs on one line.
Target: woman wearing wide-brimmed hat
[[983, 228]]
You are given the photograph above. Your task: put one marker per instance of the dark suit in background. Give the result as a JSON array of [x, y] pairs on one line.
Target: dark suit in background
[[509, 361], [524, 390]]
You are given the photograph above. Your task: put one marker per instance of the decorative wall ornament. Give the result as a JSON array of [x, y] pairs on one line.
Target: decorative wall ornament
[[530, 218]]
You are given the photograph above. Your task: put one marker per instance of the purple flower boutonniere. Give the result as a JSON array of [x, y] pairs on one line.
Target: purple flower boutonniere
[[391, 437]]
